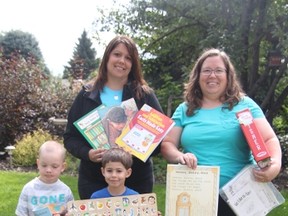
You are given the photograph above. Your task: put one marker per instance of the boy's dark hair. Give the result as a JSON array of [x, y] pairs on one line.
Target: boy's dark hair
[[117, 155]]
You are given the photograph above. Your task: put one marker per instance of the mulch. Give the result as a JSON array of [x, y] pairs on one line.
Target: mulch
[[5, 166]]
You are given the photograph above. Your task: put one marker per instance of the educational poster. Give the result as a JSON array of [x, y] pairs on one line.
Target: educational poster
[[134, 205], [192, 192]]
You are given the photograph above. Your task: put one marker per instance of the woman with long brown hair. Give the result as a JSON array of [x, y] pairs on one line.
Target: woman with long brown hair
[[119, 78]]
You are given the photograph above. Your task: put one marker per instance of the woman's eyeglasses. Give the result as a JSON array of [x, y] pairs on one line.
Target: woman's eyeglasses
[[217, 71]]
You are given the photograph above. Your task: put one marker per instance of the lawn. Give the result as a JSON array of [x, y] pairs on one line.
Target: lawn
[[12, 182]]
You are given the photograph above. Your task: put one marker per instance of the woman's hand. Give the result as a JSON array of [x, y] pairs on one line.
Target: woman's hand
[[95, 155], [267, 174], [188, 159]]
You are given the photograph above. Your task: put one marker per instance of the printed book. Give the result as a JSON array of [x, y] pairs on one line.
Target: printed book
[[248, 197], [254, 138], [141, 204], [115, 118], [144, 132], [90, 126], [103, 125], [192, 192], [42, 212]]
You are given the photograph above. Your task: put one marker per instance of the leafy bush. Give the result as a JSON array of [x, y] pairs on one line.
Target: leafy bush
[[56, 100], [72, 164], [284, 146], [28, 99], [18, 90], [160, 167], [26, 149]]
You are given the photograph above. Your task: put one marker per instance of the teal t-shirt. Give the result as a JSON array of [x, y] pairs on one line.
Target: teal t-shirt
[[215, 137], [111, 97]]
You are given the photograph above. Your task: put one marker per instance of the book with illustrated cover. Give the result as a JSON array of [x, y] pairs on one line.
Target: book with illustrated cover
[[254, 138], [42, 212], [144, 132], [192, 192], [115, 118], [103, 125], [248, 197], [90, 126], [141, 204]]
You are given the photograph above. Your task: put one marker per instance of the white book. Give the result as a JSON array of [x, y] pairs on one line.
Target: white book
[[248, 197]]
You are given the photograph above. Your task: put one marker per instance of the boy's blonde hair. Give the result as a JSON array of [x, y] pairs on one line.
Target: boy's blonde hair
[[52, 147]]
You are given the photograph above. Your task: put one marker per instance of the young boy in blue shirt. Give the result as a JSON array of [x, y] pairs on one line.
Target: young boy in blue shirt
[[116, 167]]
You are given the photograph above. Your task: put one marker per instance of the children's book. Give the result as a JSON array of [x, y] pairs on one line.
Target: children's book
[[42, 212], [96, 127], [192, 192], [144, 132], [134, 205], [114, 118], [254, 138], [248, 197], [90, 126]]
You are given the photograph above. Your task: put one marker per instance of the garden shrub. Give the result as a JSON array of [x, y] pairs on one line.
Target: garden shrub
[[26, 149], [19, 89], [160, 167], [72, 164], [28, 99], [284, 146]]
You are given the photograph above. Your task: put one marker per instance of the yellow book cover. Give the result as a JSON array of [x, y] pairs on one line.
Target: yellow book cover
[[144, 132]]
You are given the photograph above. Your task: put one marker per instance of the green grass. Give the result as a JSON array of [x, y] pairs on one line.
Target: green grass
[[12, 182]]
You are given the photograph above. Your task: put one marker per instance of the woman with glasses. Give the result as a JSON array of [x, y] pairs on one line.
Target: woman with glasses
[[207, 128]]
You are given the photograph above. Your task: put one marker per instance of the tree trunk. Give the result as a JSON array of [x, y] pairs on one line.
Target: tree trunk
[[253, 75], [277, 105], [245, 24], [271, 91]]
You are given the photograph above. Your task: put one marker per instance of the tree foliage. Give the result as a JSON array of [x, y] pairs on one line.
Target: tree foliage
[[172, 33], [23, 43], [83, 61]]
